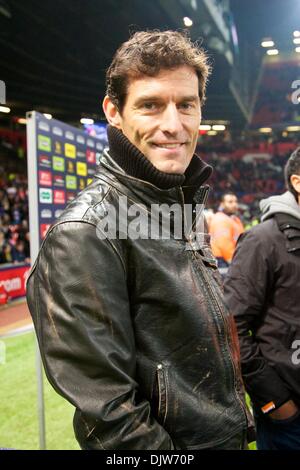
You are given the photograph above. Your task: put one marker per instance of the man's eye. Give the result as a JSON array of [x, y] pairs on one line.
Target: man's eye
[[149, 106], [186, 105]]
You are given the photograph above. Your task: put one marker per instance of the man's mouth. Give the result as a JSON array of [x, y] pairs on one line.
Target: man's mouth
[[169, 145]]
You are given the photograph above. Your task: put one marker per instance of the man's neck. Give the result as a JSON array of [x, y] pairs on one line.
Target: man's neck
[[135, 164]]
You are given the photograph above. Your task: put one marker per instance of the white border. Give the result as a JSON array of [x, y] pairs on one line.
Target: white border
[[32, 185], [32, 172]]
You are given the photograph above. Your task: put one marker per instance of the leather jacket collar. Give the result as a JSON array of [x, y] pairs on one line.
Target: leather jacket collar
[[192, 191]]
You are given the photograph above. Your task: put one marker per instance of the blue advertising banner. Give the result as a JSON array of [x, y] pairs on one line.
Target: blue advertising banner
[[61, 163]]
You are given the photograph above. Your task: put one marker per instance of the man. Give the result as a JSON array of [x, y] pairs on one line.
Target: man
[[225, 228], [133, 330], [262, 290]]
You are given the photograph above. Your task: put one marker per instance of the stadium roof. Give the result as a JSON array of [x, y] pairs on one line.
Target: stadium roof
[[54, 54]]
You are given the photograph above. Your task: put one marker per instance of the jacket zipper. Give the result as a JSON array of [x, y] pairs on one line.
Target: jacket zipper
[[206, 281], [227, 342], [187, 237], [162, 392]]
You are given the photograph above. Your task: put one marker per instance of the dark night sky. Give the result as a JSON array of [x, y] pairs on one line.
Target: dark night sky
[[262, 18], [53, 54]]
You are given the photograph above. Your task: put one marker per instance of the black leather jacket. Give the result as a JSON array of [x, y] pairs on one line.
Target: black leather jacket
[[134, 333], [262, 292]]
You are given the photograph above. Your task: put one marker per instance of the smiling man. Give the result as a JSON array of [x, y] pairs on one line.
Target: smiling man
[[133, 331], [161, 117]]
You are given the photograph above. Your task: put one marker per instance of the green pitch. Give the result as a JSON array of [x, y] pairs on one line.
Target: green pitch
[[18, 401]]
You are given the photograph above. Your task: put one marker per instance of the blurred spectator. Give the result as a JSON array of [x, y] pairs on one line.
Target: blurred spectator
[[225, 227], [2, 245], [261, 291], [6, 254], [4, 202], [5, 225], [18, 252]]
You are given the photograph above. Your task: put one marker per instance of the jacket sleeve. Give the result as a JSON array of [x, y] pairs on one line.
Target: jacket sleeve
[[250, 278], [77, 295]]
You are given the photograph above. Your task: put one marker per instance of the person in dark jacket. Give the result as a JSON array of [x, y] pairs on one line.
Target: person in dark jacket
[[262, 290], [132, 326]]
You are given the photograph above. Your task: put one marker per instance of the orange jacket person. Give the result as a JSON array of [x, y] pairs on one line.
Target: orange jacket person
[[225, 228]]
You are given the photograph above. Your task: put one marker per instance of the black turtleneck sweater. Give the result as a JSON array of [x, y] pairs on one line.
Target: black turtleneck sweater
[[135, 164]]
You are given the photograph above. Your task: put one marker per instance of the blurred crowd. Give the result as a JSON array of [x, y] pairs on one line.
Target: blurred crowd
[[274, 103], [14, 226], [249, 180], [252, 170]]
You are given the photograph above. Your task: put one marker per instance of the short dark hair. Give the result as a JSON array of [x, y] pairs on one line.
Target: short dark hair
[[292, 167], [227, 193], [146, 53]]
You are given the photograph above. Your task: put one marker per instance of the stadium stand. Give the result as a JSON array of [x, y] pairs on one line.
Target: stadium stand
[[274, 104], [14, 228], [250, 167]]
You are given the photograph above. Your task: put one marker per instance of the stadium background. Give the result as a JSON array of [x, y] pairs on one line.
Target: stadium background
[[53, 60]]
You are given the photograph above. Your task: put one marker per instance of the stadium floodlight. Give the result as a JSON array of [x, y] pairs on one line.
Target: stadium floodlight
[[272, 52], [293, 128], [204, 127], [297, 49], [4, 109], [296, 34], [296, 40], [187, 21], [87, 121], [47, 115], [22, 121], [219, 127], [265, 130], [267, 43]]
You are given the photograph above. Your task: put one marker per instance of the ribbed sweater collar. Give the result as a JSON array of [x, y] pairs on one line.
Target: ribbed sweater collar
[[135, 164]]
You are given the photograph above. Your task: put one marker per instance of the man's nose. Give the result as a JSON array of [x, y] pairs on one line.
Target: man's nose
[[171, 120]]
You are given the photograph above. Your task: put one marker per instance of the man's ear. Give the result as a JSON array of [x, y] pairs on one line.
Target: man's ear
[[295, 180], [111, 112]]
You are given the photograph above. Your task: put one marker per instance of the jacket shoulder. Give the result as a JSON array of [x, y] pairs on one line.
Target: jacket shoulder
[[264, 229], [84, 206], [261, 234]]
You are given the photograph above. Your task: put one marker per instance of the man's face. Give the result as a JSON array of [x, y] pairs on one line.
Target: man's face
[[230, 204], [161, 117], [295, 181]]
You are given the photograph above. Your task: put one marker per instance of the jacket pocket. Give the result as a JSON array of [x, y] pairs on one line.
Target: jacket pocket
[[161, 379], [285, 422]]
